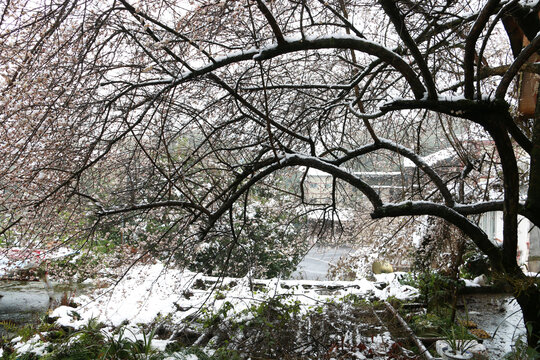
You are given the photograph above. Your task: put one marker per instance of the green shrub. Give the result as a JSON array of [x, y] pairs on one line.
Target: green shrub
[[219, 354], [434, 288], [428, 324]]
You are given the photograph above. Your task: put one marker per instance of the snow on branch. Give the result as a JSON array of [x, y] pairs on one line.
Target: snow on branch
[[411, 208], [365, 116], [295, 44]]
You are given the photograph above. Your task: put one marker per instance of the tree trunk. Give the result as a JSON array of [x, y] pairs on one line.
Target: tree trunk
[[532, 205], [525, 290], [462, 241], [529, 296], [528, 299]]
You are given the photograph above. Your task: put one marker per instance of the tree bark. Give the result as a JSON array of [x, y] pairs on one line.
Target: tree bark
[[532, 206], [525, 290], [528, 299]]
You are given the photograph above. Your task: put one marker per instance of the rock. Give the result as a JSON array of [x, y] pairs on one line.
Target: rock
[[480, 280], [51, 320], [381, 267], [199, 284]]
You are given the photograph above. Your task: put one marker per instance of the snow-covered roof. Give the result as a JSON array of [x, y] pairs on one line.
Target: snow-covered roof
[[378, 173], [317, 172], [434, 158]]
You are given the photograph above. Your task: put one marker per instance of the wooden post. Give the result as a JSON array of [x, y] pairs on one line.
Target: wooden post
[[528, 88], [527, 107]]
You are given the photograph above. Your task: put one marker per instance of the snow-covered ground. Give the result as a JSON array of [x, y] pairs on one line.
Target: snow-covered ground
[[152, 291], [149, 290]]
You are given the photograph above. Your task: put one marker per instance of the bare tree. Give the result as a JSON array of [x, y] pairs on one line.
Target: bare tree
[[176, 111]]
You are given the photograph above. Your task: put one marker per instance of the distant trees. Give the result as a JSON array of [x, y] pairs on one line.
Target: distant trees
[[174, 111]]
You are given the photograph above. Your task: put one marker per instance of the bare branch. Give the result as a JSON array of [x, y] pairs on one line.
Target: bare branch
[[470, 45], [393, 12], [161, 204]]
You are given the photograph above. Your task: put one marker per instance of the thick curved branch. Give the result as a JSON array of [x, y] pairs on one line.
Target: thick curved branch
[[473, 110], [483, 48], [365, 116], [470, 45], [356, 43], [411, 208], [271, 21], [525, 54], [337, 41], [422, 165], [408, 153], [395, 16], [316, 163], [511, 194], [380, 210], [479, 208], [495, 205], [290, 160], [463, 108]]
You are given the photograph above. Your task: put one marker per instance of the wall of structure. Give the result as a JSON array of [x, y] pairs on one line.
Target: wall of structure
[[528, 237]]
